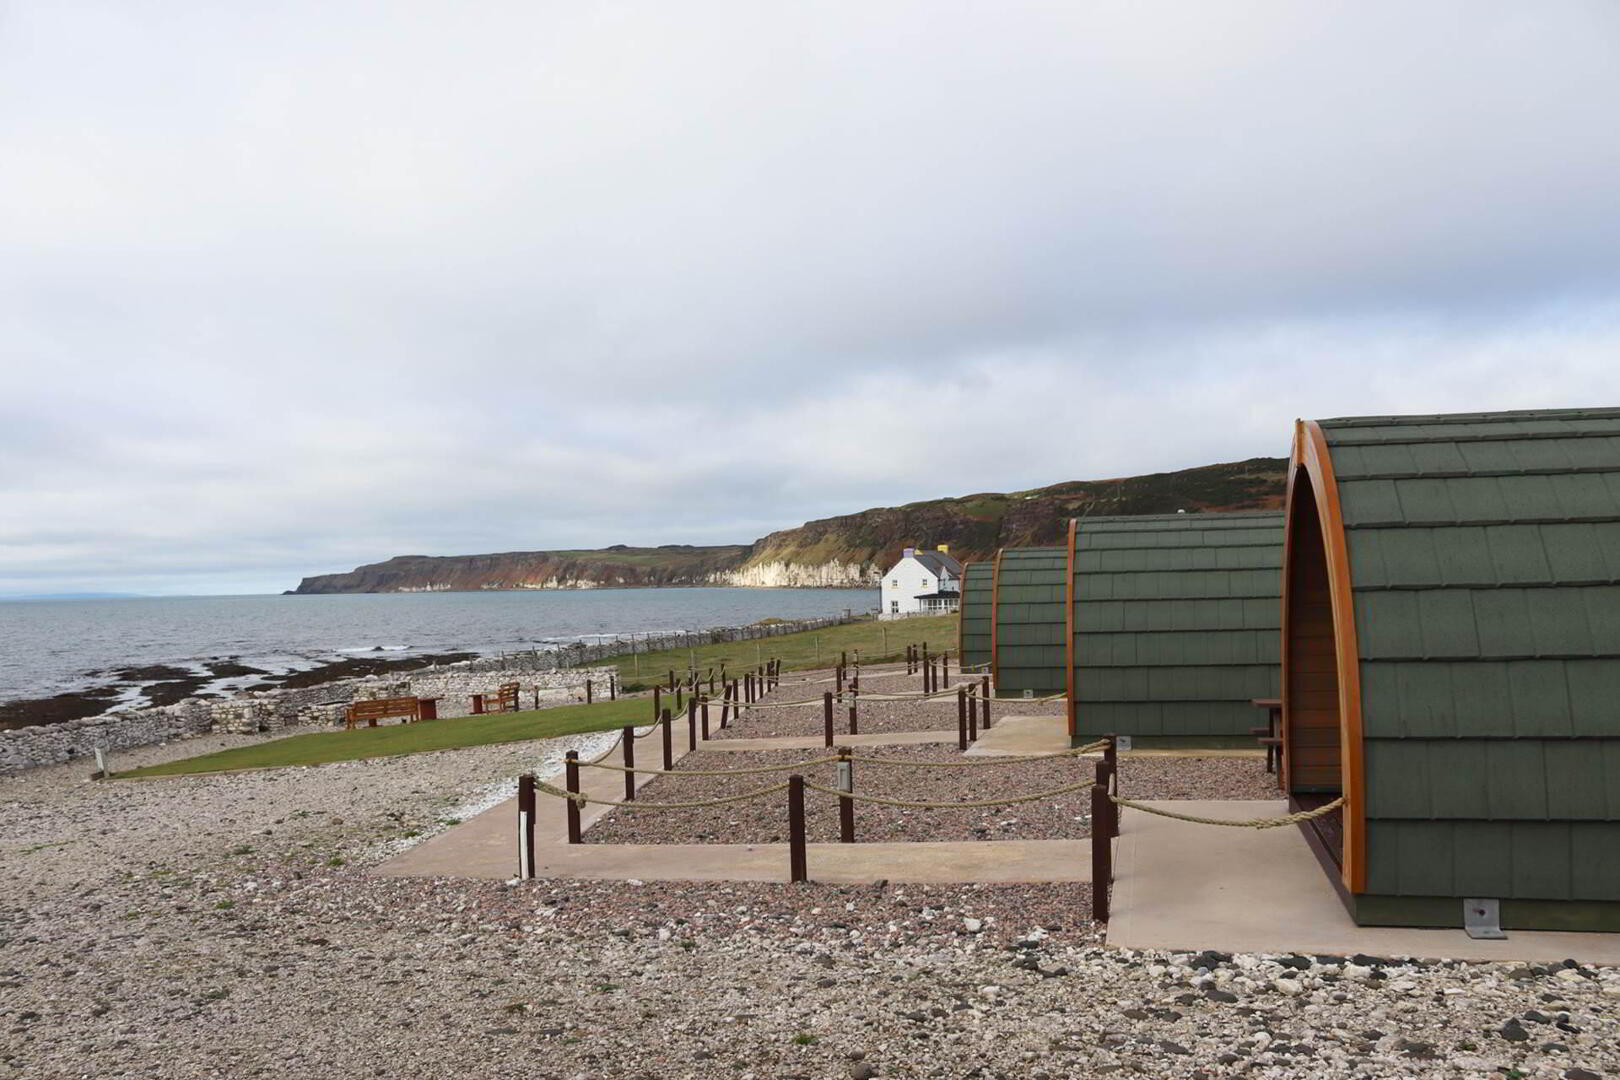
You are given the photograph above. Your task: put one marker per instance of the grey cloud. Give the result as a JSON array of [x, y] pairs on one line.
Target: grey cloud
[[286, 289]]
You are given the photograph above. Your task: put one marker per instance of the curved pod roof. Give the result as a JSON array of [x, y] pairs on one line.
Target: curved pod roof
[[1175, 623], [973, 629], [1031, 611], [1452, 655]]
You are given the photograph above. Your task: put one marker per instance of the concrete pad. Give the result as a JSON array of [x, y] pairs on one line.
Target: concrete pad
[[1023, 735], [817, 742], [1183, 886]]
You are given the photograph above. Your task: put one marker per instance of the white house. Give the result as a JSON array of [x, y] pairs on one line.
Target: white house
[[922, 583]]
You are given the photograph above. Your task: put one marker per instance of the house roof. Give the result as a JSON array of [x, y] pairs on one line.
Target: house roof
[[939, 562]]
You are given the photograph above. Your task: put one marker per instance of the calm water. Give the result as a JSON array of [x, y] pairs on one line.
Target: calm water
[[50, 646]]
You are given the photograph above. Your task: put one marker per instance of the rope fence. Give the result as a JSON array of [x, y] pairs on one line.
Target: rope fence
[[972, 696]]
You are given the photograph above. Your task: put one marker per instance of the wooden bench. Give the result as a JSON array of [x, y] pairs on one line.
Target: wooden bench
[[372, 710], [504, 699]]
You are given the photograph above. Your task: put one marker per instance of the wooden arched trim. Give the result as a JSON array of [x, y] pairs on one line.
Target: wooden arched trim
[[1311, 464], [995, 624], [1069, 707]]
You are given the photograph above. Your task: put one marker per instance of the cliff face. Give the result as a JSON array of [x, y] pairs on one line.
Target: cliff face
[[848, 551], [613, 567]]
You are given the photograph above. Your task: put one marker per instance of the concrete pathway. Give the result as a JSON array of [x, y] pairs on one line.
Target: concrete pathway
[[1183, 886], [1022, 735]]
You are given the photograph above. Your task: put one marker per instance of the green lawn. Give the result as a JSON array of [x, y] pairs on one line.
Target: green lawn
[[806, 649], [395, 739]]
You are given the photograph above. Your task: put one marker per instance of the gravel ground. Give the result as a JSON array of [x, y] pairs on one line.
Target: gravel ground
[[764, 820], [222, 926]]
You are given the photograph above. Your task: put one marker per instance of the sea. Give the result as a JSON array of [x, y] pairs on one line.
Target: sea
[[50, 647]]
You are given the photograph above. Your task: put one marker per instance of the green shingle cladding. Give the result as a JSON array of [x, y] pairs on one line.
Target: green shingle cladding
[[1030, 621], [1485, 563], [977, 579], [1177, 622]]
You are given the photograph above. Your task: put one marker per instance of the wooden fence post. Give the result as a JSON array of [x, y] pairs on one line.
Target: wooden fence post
[[846, 806], [587, 691], [945, 670], [571, 781], [854, 704], [972, 712], [669, 739], [984, 689], [705, 719], [1102, 850], [1105, 780], [629, 741], [826, 716], [691, 724], [613, 688], [1111, 753], [961, 719], [658, 703], [797, 871], [526, 825]]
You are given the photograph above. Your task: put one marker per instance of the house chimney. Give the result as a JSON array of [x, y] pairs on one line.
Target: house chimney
[[944, 549], [908, 553]]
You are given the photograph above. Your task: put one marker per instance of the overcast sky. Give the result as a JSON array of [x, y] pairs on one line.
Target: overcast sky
[[287, 287]]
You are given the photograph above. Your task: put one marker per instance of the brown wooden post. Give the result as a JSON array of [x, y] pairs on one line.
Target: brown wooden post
[[669, 739], [945, 670], [526, 825], [672, 678], [691, 724], [629, 741], [613, 688], [705, 715], [846, 806], [658, 703], [838, 679], [1109, 825], [826, 716], [972, 712], [854, 704], [843, 658], [961, 719], [984, 691], [797, 870], [711, 682], [1102, 850], [1111, 753], [571, 781], [587, 693], [679, 695], [537, 695]]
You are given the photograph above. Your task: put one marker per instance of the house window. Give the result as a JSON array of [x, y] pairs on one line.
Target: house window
[[895, 584]]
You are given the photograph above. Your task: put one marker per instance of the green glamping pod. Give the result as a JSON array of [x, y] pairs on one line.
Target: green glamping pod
[[1451, 659], [973, 630], [1028, 614], [1174, 627]]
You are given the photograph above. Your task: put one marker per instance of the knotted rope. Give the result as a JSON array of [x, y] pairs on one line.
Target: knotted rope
[[580, 799], [1245, 823], [919, 804]]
